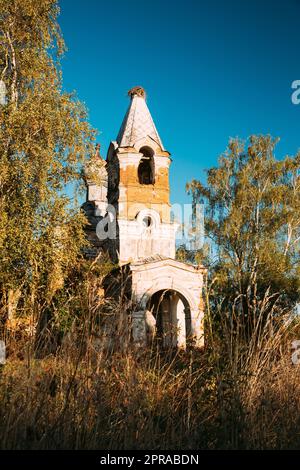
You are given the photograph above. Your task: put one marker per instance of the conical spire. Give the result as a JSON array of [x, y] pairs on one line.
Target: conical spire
[[138, 122]]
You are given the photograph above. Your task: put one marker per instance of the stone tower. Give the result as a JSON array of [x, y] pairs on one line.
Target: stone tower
[[95, 207], [138, 185], [143, 244]]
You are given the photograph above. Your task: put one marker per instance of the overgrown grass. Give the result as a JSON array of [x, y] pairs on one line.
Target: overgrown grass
[[229, 396]]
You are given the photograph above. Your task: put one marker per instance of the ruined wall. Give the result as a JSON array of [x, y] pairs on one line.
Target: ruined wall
[[154, 276], [133, 195], [131, 201]]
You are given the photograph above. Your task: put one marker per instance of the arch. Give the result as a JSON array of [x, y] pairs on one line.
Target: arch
[[148, 141], [163, 285], [146, 169], [166, 291], [172, 313]]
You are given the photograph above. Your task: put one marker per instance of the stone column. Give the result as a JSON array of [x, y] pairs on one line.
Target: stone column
[[181, 325], [197, 327], [139, 328], [166, 322], [174, 299]]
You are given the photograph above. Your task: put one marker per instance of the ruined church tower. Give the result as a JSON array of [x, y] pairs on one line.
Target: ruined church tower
[[133, 191], [138, 185]]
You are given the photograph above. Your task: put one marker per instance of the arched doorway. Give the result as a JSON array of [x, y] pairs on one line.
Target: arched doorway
[[173, 318]]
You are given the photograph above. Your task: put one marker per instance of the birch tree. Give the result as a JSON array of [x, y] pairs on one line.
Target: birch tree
[[252, 219], [44, 138]]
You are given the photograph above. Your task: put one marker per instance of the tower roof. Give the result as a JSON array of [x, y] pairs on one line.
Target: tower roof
[[138, 122]]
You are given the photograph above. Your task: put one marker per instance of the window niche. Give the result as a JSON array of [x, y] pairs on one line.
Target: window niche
[[146, 166]]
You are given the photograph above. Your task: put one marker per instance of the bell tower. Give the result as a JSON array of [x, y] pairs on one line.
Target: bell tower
[[138, 186]]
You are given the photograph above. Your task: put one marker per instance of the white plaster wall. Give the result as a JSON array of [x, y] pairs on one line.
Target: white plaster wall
[[98, 194], [167, 274], [137, 242]]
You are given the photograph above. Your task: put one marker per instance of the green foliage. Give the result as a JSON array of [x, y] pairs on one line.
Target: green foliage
[[252, 218], [195, 257], [44, 138]]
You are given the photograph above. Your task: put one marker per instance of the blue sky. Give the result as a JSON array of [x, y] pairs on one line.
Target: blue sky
[[212, 70]]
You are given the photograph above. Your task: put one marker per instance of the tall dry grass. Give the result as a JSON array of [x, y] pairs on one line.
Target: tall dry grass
[[93, 394]]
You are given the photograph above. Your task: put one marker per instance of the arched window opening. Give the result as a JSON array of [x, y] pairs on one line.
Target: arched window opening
[[147, 222], [146, 166]]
